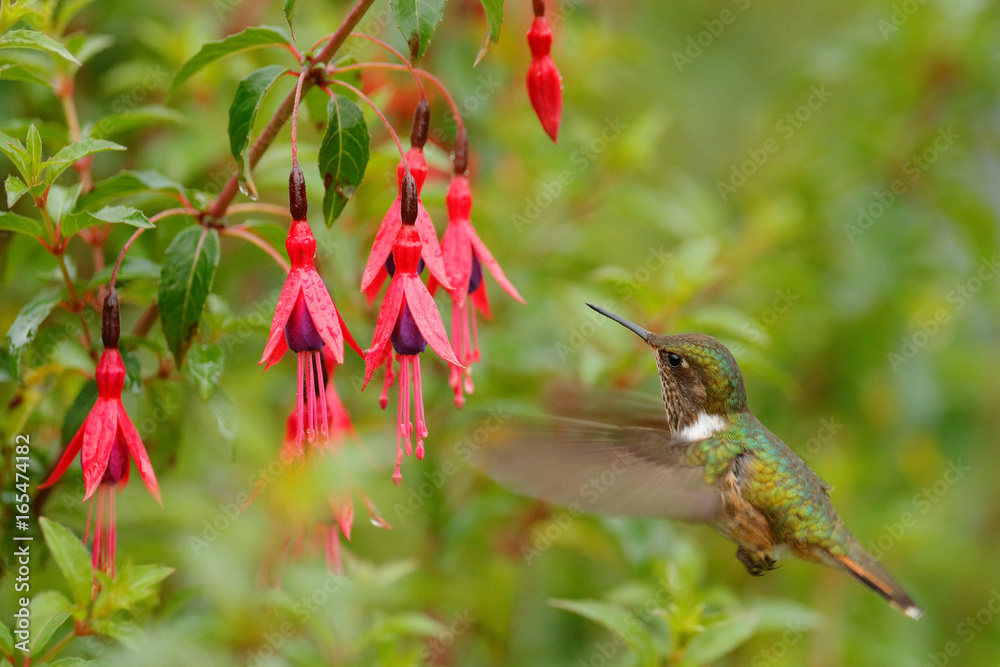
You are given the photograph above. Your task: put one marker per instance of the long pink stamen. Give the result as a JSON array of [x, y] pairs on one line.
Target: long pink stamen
[[397, 476], [300, 403], [418, 395], [383, 399], [323, 416], [404, 401], [310, 397]]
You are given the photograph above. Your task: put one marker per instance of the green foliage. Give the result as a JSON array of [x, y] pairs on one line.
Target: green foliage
[[251, 38], [417, 20], [343, 155], [188, 271], [242, 114]]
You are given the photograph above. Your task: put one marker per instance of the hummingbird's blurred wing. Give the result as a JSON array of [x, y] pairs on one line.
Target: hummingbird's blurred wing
[[621, 471]]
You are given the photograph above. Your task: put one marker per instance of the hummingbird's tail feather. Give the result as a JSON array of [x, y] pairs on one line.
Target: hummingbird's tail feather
[[870, 572]]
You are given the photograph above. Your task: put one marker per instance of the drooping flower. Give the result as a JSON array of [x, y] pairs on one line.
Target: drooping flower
[[105, 441], [305, 319], [544, 81], [376, 271], [464, 257], [407, 322]]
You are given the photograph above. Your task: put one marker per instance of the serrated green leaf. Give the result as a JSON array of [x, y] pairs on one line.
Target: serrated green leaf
[[17, 153], [131, 119], [252, 38], [6, 640], [243, 112], [205, 364], [494, 17], [15, 188], [72, 558], [33, 145], [188, 270], [343, 155], [65, 158], [288, 7], [61, 201], [74, 222], [417, 20], [128, 183], [77, 412], [49, 610], [32, 39], [22, 331], [720, 638], [619, 621]]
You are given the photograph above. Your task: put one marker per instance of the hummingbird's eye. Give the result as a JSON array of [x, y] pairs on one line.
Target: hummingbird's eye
[[674, 360]]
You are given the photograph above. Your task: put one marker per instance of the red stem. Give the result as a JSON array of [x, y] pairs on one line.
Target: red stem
[[402, 58], [367, 100]]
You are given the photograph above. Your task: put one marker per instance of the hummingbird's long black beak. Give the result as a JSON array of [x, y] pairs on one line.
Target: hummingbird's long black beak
[[635, 328]]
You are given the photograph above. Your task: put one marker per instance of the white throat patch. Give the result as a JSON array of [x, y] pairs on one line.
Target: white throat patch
[[705, 426]]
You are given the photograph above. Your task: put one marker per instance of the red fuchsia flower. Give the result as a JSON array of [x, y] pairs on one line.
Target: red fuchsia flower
[[464, 257], [105, 441], [544, 81], [407, 322], [305, 319], [379, 265]]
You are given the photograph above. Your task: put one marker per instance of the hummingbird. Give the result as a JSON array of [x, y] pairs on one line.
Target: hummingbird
[[709, 461]]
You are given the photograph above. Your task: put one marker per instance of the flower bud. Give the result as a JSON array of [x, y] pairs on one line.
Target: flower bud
[[461, 152], [421, 123], [111, 324], [544, 81], [409, 200], [297, 204]]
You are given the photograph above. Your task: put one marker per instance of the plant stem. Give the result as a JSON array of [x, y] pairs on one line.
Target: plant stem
[[58, 646], [247, 235], [218, 208]]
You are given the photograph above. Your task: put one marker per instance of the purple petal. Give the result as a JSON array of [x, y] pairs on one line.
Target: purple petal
[[300, 330], [406, 337]]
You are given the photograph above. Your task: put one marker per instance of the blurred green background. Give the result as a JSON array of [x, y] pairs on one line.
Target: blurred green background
[[813, 183]]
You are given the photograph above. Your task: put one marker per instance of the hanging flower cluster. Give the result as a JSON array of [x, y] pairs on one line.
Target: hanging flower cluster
[[105, 441], [544, 81]]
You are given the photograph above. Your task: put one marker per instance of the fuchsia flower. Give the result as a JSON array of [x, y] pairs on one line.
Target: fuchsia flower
[[305, 319], [376, 270], [408, 321], [464, 256], [105, 441], [544, 81]]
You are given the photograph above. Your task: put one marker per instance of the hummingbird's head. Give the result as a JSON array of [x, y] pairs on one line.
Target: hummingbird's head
[[698, 374]]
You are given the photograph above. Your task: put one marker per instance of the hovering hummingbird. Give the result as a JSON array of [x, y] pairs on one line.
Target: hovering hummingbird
[[710, 461]]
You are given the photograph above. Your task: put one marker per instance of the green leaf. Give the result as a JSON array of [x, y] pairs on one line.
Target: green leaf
[[131, 119], [343, 155], [86, 46], [494, 17], [34, 147], [204, 366], [719, 639], [242, 114], [71, 557], [65, 158], [21, 72], [32, 39], [17, 153], [131, 269], [417, 20], [128, 183], [15, 189], [22, 331], [188, 270], [74, 222], [49, 610], [288, 7], [132, 586], [6, 640], [20, 224], [251, 38], [619, 621], [61, 201]]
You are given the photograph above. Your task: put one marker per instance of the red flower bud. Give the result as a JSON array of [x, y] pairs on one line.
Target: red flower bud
[[297, 204], [544, 81]]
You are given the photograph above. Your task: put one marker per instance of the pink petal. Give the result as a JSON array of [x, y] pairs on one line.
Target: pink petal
[[350, 339], [382, 247], [72, 449], [138, 453], [280, 347], [485, 257], [481, 301], [98, 437], [289, 293], [428, 319], [458, 257], [431, 250], [324, 313], [383, 329], [375, 285]]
